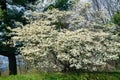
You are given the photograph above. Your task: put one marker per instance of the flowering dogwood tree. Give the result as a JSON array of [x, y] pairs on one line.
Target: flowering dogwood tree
[[48, 49]]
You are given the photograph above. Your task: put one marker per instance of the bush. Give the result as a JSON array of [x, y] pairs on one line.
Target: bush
[[48, 49]]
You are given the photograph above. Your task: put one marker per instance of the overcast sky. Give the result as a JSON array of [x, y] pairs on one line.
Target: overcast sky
[[84, 0]]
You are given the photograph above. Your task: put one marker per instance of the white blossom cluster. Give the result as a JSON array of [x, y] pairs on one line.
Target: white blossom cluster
[[48, 49], [83, 48]]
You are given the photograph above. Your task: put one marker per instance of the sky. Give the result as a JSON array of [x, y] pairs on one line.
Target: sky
[[4, 64], [84, 0]]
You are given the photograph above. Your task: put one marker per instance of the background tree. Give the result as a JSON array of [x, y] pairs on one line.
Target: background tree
[[6, 47], [63, 4], [109, 5], [6, 44], [116, 20]]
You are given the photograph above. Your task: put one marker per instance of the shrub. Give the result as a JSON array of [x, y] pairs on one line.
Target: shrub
[[48, 49]]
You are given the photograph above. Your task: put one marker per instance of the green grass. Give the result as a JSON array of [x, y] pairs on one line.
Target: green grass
[[64, 76]]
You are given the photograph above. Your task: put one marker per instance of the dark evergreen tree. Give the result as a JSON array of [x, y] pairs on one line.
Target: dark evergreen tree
[[6, 45], [62, 4]]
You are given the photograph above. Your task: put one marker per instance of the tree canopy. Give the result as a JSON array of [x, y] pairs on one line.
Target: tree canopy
[[62, 37]]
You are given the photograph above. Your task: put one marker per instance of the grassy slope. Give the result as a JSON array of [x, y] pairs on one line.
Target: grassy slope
[[61, 76]]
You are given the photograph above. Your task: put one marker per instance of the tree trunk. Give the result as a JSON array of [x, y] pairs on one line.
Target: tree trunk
[[12, 64]]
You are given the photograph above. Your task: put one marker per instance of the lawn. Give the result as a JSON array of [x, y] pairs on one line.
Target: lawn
[[64, 76]]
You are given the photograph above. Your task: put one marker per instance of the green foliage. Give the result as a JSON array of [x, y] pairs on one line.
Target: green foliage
[[116, 18], [23, 77], [19, 1], [65, 76], [1, 14], [60, 4], [63, 4], [4, 32], [5, 36], [23, 2]]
